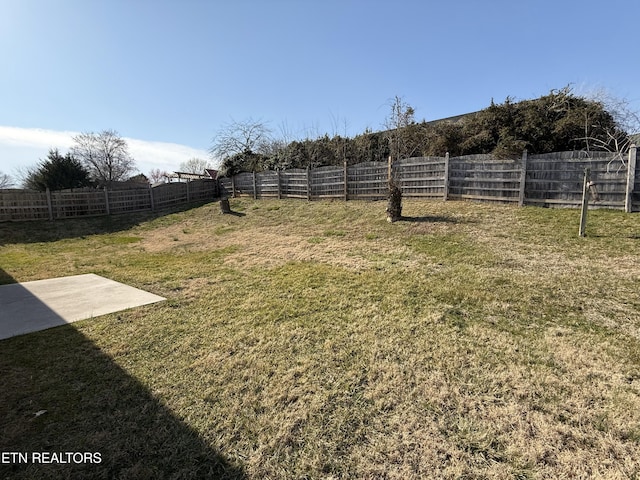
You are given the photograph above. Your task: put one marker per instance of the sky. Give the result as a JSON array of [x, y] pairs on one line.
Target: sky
[[167, 75]]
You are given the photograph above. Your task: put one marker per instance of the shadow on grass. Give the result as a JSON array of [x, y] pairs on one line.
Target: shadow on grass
[[225, 206], [235, 214], [5, 278], [429, 219], [50, 231], [62, 395]]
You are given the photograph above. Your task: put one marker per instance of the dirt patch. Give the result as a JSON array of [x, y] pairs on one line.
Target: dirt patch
[[271, 246]]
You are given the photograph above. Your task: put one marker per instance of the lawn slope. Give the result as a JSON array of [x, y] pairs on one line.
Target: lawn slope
[[315, 340]]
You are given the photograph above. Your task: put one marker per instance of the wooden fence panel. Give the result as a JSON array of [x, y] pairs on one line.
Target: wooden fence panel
[[243, 184], [169, 194], [327, 182], [421, 176], [367, 181], [293, 183], [129, 200], [225, 186], [82, 203], [482, 177], [267, 184], [202, 190], [23, 205], [557, 179]]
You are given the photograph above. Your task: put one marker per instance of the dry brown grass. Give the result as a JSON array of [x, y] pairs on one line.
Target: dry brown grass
[[315, 340]]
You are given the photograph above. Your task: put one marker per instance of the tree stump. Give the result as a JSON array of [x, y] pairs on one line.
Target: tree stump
[[394, 204], [224, 206]]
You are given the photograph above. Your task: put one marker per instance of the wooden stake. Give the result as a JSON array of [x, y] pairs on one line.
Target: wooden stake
[[585, 201], [631, 178]]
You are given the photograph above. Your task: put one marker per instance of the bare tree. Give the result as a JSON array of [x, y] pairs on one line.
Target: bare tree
[[5, 181], [157, 176], [397, 124], [240, 137], [105, 155], [195, 165]]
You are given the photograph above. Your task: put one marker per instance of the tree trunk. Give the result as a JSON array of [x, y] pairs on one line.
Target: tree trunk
[[394, 205]]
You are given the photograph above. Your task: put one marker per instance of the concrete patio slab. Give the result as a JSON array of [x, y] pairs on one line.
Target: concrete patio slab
[[32, 306]]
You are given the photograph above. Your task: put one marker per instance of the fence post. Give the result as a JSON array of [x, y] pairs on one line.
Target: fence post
[[233, 186], [523, 178], [49, 203], [279, 185], [389, 169], [107, 207], [585, 201], [188, 191], [346, 188], [308, 183], [446, 177], [631, 178], [255, 190], [153, 206]]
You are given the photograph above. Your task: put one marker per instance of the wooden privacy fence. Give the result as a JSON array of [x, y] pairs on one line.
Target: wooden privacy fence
[[30, 205], [552, 179]]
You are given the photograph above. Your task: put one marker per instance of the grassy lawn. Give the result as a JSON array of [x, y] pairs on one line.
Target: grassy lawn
[[315, 340]]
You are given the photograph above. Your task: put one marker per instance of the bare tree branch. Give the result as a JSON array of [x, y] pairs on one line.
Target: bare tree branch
[[5, 181], [616, 138], [156, 175], [400, 118]]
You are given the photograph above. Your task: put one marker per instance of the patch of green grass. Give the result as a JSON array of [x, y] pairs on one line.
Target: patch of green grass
[[451, 248], [223, 229], [334, 233]]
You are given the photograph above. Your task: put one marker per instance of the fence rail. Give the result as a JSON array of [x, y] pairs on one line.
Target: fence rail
[[553, 179], [30, 205]]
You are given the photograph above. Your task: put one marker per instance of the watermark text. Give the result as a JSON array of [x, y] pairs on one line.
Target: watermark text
[[77, 458]]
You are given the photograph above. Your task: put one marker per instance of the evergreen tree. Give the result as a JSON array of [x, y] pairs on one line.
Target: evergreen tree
[[57, 172]]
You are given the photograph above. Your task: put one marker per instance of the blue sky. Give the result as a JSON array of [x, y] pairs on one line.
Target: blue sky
[[167, 74]]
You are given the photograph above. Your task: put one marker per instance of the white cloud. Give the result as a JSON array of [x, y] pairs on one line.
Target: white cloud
[[35, 138], [166, 156], [22, 148]]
